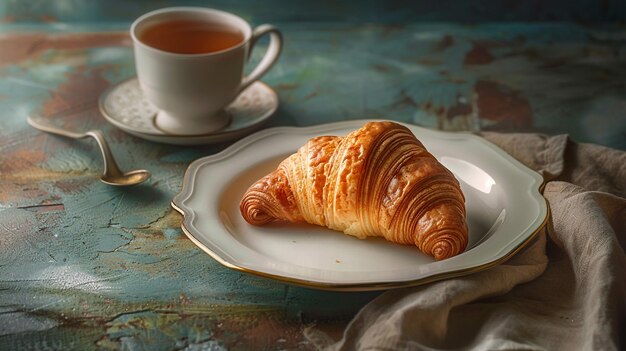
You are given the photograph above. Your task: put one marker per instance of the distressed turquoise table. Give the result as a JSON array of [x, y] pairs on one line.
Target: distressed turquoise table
[[84, 265]]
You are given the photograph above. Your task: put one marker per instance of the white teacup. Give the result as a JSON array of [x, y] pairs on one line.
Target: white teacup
[[192, 88]]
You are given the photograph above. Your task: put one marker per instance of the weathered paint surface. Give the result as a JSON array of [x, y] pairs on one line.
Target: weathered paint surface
[[85, 265]]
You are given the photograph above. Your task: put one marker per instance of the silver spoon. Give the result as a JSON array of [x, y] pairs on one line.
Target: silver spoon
[[111, 174]]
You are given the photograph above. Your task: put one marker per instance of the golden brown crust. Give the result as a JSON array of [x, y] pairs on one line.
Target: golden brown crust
[[376, 181]]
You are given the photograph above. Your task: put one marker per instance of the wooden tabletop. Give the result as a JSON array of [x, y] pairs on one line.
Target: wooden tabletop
[[85, 265]]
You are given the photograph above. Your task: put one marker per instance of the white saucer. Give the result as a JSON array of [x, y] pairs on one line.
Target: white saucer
[[125, 106]]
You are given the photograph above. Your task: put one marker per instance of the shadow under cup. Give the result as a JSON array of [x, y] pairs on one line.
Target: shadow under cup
[[190, 63]]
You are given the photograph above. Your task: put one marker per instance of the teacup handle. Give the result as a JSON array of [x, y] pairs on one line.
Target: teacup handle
[[273, 51]]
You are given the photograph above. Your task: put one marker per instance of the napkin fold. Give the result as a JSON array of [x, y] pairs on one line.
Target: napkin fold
[[565, 291]]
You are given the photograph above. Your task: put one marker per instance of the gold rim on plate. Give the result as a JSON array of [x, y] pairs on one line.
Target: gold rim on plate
[[366, 286]]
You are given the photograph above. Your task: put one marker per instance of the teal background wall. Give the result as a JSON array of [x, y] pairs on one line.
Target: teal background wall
[[581, 11]]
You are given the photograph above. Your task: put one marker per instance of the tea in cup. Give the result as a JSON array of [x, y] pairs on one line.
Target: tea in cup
[[190, 64]]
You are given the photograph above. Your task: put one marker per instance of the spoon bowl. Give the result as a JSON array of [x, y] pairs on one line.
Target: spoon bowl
[[111, 174], [128, 178]]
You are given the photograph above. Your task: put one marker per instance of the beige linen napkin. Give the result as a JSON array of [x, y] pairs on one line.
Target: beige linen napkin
[[565, 291]]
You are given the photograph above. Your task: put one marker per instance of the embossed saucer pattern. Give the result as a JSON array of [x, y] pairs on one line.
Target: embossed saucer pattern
[[125, 106]]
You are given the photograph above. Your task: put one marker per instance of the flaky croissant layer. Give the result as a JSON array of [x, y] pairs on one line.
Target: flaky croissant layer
[[376, 181]]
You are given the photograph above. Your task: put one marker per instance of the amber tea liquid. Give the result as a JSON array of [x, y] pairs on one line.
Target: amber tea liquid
[[190, 37]]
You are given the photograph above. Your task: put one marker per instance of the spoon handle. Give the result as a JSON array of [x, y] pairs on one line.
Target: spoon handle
[[45, 127], [110, 166]]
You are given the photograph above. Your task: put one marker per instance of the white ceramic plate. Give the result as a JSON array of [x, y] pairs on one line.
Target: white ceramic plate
[[504, 206]]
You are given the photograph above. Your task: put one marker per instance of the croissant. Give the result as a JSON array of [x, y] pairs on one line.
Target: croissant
[[376, 181]]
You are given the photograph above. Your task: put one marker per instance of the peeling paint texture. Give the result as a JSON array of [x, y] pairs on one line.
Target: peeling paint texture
[[87, 266]]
